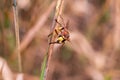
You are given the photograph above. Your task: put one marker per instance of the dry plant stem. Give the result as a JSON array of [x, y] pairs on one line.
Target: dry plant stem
[[58, 12], [15, 10], [31, 33]]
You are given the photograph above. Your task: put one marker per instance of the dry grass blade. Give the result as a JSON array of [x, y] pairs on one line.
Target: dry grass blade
[[59, 7], [15, 10]]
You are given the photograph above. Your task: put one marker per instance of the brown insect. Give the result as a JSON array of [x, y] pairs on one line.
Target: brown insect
[[62, 32]]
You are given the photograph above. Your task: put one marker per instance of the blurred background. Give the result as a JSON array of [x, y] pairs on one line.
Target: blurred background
[[93, 53]]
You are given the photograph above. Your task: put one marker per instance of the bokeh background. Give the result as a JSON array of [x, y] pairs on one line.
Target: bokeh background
[[93, 53]]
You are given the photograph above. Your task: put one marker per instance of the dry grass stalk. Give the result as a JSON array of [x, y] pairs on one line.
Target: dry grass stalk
[[15, 10], [59, 7]]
